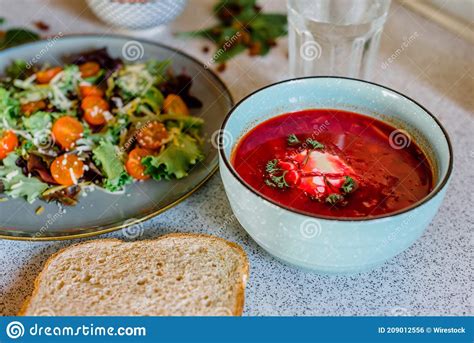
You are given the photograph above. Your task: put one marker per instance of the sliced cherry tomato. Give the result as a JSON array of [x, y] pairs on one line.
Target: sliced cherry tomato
[[89, 69], [91, 91], [67, 169], [32, 107], [94, 108], [152, 135], [175, 105], [134, 164], [8, 143], [66, 131], [44, 76]]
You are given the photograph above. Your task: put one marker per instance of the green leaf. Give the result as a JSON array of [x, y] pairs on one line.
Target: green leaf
[[2, 21], [108, 159], [269, 183], [37, 122], [176, 160], [117, 184], [113, 132], [271, 166], [259, 38], [293, 140], [314, 144], [279, 181], [9, 109], [270, 25], [153, 98], [186, 122], [17, 36], [16, 69], [225, 55], [10, 160], [349, 185], [258, 30], [158, 68], [334, 198], [18, 185], [275, 18], [226, 34], [70, 79], [247, 15]]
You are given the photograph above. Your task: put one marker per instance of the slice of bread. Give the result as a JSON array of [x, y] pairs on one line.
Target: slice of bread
[[174, 275]]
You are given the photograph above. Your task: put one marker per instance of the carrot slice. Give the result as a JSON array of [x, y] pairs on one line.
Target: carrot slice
[[45, 76]]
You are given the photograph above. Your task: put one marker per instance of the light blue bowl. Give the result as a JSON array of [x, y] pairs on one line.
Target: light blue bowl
[[324, 244]]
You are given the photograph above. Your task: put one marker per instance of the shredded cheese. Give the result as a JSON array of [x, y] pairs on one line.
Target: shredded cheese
[[11, 175], [73, 176]]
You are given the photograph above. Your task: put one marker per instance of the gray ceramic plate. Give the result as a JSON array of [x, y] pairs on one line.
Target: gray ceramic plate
[[101, 212]]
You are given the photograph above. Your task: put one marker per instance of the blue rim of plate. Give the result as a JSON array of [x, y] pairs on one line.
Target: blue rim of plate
[[431, 195], [13, 235]]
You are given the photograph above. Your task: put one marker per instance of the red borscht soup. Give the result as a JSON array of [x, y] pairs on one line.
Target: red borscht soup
[[333, 163]]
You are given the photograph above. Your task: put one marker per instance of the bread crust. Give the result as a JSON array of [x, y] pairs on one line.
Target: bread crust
[[240, 287]]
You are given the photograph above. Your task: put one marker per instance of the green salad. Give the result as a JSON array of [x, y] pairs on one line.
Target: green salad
[[94, 121]]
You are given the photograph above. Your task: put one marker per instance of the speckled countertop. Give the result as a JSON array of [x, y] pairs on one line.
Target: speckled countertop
[[432, 277]]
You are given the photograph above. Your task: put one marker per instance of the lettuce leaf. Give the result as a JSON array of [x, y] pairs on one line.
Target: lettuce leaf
[[16, 184], [108, 159], [70, 79], [184, 122], [153, 98], [18, 68], [158, 69], [118, 184], [176, 160], [9, 109], [37, 122]]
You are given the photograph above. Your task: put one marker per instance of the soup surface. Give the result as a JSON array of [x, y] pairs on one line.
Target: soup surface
[[333, 163]]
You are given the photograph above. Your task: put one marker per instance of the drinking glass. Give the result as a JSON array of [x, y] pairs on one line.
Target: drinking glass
[[335, 37]]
